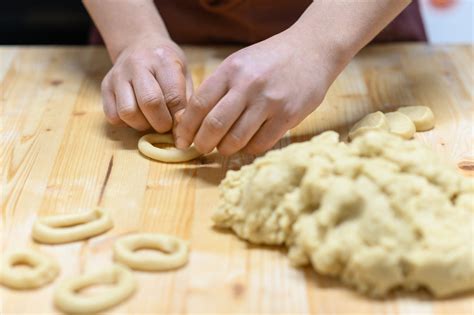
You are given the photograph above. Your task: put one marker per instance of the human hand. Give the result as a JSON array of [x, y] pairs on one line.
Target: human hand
[[255, 96], [147, 85]]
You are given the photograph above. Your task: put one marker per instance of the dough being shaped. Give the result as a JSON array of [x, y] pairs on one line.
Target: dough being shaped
[[400, 124], [42, 269], [422, 116], [372, 121], [169, 155], [175, 251], [68, 299], [379, 213], [65, 228]]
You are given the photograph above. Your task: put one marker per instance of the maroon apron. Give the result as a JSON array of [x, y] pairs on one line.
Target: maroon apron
[[250, 21]]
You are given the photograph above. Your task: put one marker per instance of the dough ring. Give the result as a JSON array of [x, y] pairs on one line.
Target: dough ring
[[43, 270], [73, 227], [68, 299], [373, 121], [169, 155], [400, 125], [175, 252], [422, 116]]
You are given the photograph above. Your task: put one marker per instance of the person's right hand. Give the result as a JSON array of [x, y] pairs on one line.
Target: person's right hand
[[147, 85]]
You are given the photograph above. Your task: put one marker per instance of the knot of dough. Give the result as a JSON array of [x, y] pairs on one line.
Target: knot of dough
[[73, 227], [68, 299], [175, 252], [43, 270], [169, 155]]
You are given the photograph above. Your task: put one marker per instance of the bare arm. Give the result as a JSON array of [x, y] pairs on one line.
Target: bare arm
[[122, 22], [148, 82]]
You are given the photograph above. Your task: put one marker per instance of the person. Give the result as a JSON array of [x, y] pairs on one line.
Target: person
[[296, 50]]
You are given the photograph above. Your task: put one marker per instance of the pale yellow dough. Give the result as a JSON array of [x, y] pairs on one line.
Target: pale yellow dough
[[42, 269], [379, 213], [65, 228], [372, 121], [169, 155], [422, 116], [68, 299], [400, 124], [175, 251]]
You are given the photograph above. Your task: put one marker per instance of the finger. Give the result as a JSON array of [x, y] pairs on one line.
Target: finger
[[242, 131], [108, 103], [200, 103], [219, 120], [189, 86], [172, 80], [151, 102], [127, 106], [266, 137]]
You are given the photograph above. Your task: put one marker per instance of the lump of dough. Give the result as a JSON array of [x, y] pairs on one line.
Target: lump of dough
[[379, 213], [422, 116], [372, 121], [400, 124]]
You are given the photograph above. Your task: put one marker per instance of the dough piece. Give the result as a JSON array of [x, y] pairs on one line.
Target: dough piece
[[373, 121], [379, 213], [422, 116], [169, 155], [175, 256], [400, 125], [68, 299], [43, 270], [65, 228]]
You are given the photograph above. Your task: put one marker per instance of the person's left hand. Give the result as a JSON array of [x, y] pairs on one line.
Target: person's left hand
[[255, 96]]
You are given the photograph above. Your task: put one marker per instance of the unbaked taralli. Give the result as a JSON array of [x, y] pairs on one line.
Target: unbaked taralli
[[68, 298], [168, 155], [171, 252], [42, 269], [65, 228]]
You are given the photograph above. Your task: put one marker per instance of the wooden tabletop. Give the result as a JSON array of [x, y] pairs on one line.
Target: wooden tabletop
[[58, 155]]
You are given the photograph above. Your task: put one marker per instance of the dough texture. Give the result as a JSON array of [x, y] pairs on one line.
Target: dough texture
[[379, 213]]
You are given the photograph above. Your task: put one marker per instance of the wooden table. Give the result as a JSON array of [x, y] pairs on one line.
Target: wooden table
[[58, 155]]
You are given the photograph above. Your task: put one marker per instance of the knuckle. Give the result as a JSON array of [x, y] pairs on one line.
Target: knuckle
[[198, 104], [127, 112], [150, 100], [173, 99], [234, 63], [214, 124]]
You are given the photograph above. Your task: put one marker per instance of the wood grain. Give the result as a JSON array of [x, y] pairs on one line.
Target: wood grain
[[58, 155]]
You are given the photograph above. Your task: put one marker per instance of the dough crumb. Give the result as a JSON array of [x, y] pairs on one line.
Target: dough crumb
[[422, 116], [380, 213], [400, 125]]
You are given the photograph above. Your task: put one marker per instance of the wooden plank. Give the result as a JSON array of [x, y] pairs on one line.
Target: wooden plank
[[58, 155]]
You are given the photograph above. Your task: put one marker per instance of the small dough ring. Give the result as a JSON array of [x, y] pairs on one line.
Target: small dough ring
[[169, 155], [73, 227], [43, 270], [68, 299], [176, 252]]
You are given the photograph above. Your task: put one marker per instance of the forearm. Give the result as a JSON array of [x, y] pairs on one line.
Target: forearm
[[122, 22], [340, 28]]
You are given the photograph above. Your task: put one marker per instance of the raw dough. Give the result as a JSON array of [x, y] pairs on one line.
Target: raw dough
[[169, 155], [400, 124], [68, 299], [422, 116], [372, 121], [65, 228], [43, 269], [175, 252], [379, 213]]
